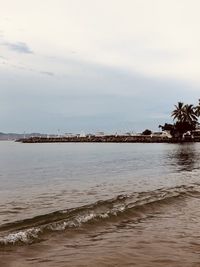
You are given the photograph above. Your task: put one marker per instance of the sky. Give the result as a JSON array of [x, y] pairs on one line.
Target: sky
[[109, 65]]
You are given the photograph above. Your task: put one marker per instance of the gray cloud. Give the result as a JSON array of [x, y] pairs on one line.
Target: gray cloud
[[47, 73], [106, 99], [7, 62], [19, 47]]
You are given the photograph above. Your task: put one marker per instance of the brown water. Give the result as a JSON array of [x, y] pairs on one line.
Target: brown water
[[99, 205]]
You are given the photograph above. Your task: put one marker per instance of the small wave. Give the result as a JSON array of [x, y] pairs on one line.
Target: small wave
[[30, 230], [21, 236]]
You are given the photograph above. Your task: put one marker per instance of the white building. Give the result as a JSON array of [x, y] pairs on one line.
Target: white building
[[162, 134], [99, 134], [69, 135], [82, 134]]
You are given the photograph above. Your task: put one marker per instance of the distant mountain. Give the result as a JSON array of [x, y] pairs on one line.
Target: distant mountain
[[15, 136]]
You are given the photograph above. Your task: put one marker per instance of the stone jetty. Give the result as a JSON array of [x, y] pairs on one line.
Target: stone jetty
[[103, 139]]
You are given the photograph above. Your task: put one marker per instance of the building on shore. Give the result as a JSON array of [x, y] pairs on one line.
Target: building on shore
[[161, 134], [99, 134], [82, 134], [70, 135]]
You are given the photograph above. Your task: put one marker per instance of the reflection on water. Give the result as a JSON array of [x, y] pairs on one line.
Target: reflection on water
[[185, 157]]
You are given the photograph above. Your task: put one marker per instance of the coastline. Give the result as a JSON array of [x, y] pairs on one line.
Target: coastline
[[106, 139]]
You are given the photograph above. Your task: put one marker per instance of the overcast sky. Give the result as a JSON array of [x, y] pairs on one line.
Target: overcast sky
[[91, 65]]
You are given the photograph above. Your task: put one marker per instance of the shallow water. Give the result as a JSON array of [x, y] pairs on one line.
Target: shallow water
[[99, 204]]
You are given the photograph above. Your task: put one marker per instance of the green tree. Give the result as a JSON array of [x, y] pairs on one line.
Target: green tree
[[185, 117], [147, 132], [178, 112], [197, 109], [190, 114]]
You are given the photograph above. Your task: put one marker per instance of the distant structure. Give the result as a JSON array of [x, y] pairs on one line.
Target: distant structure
[[69, 135], [82, 134], [131, 134], [90, 135], [99, 134], [127, 134], [161, 134]]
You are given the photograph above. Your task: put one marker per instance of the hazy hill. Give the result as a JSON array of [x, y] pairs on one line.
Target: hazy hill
[[15, 136]]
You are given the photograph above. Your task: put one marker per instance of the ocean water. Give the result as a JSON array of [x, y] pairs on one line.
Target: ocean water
[[77, 204]]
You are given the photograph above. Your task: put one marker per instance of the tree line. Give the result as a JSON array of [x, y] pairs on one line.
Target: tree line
[[185, 118]]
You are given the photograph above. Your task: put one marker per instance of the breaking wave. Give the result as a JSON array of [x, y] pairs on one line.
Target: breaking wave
[[31, 230]]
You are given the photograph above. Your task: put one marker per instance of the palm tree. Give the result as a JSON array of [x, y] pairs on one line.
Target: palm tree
[[179, 112], [197, 109], [190, 114], [185, 113], [186, 118]]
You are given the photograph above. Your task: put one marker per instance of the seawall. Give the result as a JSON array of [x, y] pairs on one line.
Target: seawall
[[106, 139]]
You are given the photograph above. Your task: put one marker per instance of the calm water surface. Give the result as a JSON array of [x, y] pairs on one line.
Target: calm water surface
[[99, 204]]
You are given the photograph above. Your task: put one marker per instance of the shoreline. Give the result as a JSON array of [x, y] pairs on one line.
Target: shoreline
[[106, 139]]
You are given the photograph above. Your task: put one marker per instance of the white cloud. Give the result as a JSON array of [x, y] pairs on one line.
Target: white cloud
[[130, 48], [18, 47], [155, 37]]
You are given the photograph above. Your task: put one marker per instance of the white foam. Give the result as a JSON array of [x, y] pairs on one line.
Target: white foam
[[21, 236]]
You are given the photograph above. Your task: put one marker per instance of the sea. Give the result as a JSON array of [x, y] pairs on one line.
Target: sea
[[99, 204]]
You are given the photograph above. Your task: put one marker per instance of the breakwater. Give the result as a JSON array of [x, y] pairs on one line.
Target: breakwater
[[101, 139]]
